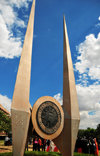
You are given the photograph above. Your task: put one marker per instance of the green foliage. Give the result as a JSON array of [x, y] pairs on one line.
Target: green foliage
[[82, 154], [81, 133], [88, 133], [1, 142], [98, 131], [43, 154], [6, 154], [5, 123]]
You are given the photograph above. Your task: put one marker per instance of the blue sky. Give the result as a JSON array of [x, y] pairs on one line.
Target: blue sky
[[83, 24]]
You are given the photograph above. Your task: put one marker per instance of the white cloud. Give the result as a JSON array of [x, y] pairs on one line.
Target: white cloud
[[89, 97], [88, 65], [5, 102], [94, 73], [17, 3], [10, 46], [89, 102], [59, 98], [98, 24], [89, 120], [7, 14], [20, 23], [7, 11], [89, 59]]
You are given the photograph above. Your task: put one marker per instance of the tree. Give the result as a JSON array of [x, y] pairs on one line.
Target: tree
[[98, 131], [88, 133], [81, 133], [5, 122]]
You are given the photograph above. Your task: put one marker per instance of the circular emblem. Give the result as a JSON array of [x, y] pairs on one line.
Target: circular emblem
[[48, 117]]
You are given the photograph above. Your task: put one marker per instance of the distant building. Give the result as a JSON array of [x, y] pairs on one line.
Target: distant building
[[4, 110]]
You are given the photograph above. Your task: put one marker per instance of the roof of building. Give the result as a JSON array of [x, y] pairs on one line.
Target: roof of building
[[4, 110]]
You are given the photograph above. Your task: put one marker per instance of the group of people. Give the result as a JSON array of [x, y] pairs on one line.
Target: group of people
[[83, 145], [40, 143], [89, 146]]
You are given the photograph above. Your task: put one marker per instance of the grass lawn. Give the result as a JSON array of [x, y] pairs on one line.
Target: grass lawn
[[43, 154], [1, 142]]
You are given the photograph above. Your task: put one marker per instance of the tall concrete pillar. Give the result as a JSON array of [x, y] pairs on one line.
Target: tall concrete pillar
[[66, 141], [21, 108]]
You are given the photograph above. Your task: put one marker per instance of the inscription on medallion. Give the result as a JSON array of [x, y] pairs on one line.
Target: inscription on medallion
[[48, 117]]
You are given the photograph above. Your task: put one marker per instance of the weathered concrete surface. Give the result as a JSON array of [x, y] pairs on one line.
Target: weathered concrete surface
[[21, 108], [66, 141]]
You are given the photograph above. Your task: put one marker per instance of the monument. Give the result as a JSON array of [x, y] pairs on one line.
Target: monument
[[50, 120]]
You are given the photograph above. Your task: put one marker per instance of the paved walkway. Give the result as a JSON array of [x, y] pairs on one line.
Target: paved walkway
[[4, 149]]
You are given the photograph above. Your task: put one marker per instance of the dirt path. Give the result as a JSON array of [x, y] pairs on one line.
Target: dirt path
[[4, 149]]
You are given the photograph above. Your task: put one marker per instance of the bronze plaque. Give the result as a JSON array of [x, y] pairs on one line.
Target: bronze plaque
[[48, 117]]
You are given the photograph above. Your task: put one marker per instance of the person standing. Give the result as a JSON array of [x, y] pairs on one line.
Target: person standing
[[48, 146], [39, 144], [96, 150], [35, 144], [43, 144]]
